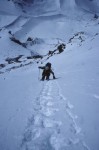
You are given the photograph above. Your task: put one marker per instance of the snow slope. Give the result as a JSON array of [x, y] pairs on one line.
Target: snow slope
[[57, 114], [89, 5], [46, 7]]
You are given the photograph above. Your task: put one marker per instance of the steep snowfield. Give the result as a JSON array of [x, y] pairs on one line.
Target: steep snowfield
[[58, 114], [89, 5], [46, 7]]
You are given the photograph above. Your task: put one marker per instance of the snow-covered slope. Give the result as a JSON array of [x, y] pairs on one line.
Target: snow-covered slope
[[58, 5], [89, 5], [57, 114], [46, 7]]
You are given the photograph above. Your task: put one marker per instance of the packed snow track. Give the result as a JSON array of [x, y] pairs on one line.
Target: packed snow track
[[52, 126]]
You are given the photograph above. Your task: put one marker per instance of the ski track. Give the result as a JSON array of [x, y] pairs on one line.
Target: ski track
[[52, 125]]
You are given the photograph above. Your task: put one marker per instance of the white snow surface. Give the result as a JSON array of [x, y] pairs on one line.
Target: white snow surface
[[59, 114]]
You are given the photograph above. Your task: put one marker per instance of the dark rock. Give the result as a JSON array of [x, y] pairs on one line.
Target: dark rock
[[2, 65], [12, 60], [96, 16], [29, 39]]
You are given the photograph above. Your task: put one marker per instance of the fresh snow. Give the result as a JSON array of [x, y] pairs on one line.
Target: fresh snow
[[59, 114]]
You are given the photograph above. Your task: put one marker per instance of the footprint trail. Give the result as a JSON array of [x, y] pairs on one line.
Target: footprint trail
[[52, 125]]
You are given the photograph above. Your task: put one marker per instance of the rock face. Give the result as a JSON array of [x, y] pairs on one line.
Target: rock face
[[59, 5], [24, 1], [49, 7]]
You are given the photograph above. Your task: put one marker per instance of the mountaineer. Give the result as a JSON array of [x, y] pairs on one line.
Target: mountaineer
[[47, 71]]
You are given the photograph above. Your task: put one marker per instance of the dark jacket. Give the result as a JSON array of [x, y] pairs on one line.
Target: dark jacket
[[47, 71]]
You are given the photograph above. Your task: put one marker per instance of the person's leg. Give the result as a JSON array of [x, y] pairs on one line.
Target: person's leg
[[47, 76], [43, 76]]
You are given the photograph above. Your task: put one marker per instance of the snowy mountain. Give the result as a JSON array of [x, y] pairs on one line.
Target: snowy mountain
[[46, 7], [59, 114], [89, 5]]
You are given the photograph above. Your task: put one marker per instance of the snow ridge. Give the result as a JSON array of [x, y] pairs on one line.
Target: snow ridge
[[46, 131]]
